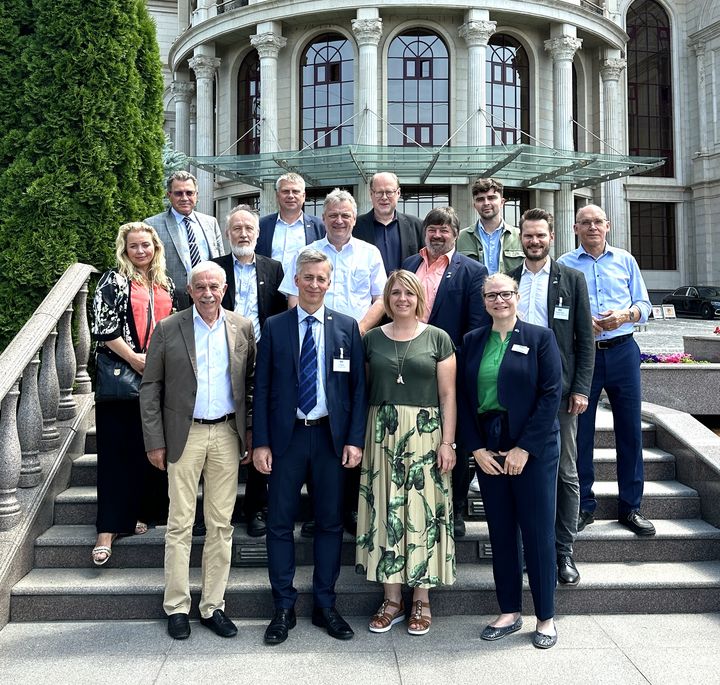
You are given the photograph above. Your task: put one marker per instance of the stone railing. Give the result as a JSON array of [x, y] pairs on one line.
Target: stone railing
[[32, 402]]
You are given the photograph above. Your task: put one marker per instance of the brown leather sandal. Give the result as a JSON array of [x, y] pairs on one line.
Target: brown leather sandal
[[385, 619], [419, 623]]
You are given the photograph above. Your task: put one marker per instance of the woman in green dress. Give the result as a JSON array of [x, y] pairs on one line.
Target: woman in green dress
[[405, 517]]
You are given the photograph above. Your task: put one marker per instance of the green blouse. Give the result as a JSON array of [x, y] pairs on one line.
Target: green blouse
[[493, 354]]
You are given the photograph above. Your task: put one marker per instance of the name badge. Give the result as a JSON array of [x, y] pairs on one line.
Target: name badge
[[341, 364], [562, 313], [522, 349]]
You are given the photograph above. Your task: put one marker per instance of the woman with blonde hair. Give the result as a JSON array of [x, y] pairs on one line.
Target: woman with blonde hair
[[129, 300]]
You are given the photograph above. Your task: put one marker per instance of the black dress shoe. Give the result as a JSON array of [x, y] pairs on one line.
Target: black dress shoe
[[283, 621], [256, 526], [178, 626], [220, 623], [350, 523], [459, 524], [199, 529], [492, 633], [308, 529], [331, 620], [585, 519], [567, 571], [637, 523]]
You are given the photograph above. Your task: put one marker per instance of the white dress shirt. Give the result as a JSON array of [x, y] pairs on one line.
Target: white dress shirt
[[288, 240], [533, 303], [320, 409], [246, 293]]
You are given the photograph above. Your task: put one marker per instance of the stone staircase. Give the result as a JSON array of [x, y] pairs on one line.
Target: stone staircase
[[678, 570]]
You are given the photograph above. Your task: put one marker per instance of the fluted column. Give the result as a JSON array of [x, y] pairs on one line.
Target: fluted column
[[66, 366], [193, 136], [49, 394], [699, 50], [563, 49], [477, 34], [30, 426], [10, 461], [204, 67], [367, 32], [83, 384], [268, 46], [614, 136], [182, 92]]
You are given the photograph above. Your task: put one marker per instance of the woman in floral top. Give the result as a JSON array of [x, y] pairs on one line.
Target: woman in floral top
[[128, 302]]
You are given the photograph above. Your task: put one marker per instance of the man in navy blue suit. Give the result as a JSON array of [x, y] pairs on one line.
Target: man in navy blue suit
[[310, 386], [454, 302]]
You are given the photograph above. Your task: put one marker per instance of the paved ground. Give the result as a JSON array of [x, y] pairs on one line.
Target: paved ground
[[630, 649], [666, 335]]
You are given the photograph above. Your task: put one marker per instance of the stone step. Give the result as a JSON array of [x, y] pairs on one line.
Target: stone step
[[605, 432], [658, 464], [607, 588], [677, 539]]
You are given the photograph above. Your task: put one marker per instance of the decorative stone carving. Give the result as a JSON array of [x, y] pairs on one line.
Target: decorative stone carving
[[268, 44], [367, 31], [563, 47], [204, 66], [83, 385], [30, 427], [477, 33], [66, 366], [183, 91], [10, 460], [612, 69], [49, 394]]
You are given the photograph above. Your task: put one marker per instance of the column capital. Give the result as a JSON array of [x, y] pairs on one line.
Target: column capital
[[611, 69], [204, 66], [563, 47], [477, 32], [698, 49], [268, 44], [182, 91], [367, 31]]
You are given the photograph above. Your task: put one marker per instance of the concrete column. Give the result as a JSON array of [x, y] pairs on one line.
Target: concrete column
[[614, 136], [268, 46], [702, 96], [193, 136], [182, 92], [476, 31], [367, 30], [563, 48], [204, 67]]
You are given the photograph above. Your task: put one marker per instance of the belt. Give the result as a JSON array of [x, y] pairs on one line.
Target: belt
[[313, 422], [613, 342], [221, 419]]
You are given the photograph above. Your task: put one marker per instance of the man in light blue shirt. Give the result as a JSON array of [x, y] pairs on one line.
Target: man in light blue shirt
[[618, 300]]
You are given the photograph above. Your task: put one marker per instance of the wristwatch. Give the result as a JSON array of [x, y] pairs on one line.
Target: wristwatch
[[631, 314], [449, 444]]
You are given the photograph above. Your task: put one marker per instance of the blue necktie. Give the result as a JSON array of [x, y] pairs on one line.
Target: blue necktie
[[307, 391]]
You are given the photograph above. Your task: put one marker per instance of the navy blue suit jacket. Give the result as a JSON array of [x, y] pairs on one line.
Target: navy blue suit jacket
[[459, 306], [276, 382], [314, 230], [529, 386], [409, 227]]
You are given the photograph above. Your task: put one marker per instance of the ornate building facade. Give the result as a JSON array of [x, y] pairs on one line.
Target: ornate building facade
[[556, 98]]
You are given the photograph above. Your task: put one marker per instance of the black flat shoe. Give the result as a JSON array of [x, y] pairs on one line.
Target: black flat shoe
[[331, 620], [567, 571], [283, 621], [178, 626], [637, 523], [492, 633], [585, 519], [220, 624], [256, 526], [542, 641]]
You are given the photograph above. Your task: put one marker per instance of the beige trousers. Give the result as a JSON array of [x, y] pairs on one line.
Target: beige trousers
[[213, 451]]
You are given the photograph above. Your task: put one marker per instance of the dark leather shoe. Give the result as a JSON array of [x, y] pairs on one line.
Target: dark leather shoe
[[256, 526], [585, 519], [199, 529], [178, 626], [491, 633], [308, 529], [283, 621], [459, 524], [567, 571], [543, 641], [350, 523], [220, 623], [637, 523], [335, 624]]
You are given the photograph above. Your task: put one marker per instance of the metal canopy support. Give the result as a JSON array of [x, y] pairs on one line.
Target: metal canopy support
[[560, 171], [502, 163]]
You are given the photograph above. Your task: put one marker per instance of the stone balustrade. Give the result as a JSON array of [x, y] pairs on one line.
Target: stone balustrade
[[41, 372]]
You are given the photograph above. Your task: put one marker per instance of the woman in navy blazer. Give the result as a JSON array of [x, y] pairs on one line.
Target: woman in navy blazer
[[510, 385]]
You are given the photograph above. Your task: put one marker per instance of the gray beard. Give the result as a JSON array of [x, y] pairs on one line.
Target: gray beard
[[242, 251]]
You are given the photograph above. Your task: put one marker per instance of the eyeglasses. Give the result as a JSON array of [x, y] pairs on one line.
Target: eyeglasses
[[586, 223], [184, 193], [503, 295], [385, 193]]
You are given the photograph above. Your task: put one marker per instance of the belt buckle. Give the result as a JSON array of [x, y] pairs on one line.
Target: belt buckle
[[603, 344], [308, 422]]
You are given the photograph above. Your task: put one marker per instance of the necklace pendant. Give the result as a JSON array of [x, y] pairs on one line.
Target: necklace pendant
[[400, 380]]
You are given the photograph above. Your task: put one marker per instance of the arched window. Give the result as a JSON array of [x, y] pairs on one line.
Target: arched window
[[418, 89], [326, 104], [248, 107], [508, 91], [650, 121]]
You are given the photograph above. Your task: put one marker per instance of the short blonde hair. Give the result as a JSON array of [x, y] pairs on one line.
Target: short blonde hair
[[156, 274], [501, 278], [410, 281]]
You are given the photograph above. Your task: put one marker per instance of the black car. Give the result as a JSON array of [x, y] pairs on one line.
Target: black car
[[702, 300]]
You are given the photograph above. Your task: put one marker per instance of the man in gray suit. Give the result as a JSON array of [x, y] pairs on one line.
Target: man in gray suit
[[194, 400], [556, 296], [189, 237]]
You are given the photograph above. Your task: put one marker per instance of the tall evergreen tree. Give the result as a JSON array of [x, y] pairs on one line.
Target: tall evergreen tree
[[82, 152]]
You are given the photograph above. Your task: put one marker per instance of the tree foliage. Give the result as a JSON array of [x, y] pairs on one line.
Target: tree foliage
[[80, 139]]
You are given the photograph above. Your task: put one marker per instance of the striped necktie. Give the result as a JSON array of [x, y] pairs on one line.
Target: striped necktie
[[307, 390], [192, 243]]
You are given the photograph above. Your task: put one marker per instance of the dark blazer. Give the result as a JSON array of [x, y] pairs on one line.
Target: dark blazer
[[409, 227], [314, 230], [529, 387], [269, 274], [276, 382], [169, 382], [459, 306], [574, 335]]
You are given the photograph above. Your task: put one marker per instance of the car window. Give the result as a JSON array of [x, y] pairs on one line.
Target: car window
[[692, 292], [680, 292], [709, 292]]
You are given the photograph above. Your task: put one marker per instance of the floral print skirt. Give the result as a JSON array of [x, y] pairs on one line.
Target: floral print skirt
[[405, 517]]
